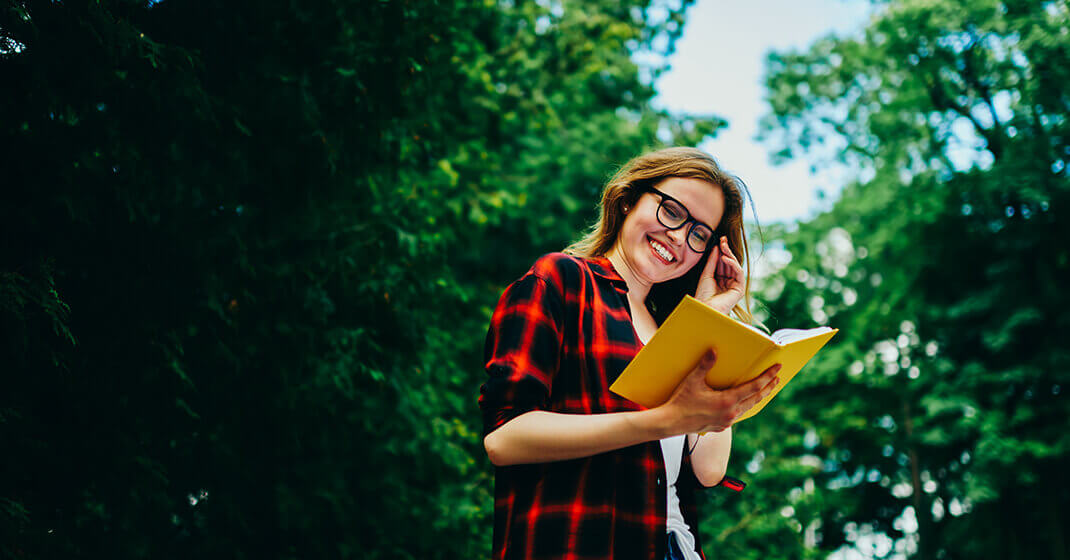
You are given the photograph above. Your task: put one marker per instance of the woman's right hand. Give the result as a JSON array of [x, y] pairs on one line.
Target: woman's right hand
[[696, 407]]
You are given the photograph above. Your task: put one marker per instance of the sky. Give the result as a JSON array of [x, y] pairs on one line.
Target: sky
[[718, 69]]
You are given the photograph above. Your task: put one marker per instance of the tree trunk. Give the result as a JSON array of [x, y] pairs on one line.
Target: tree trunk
[[922, 507]]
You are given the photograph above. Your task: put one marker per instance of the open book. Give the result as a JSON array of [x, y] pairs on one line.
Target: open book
[[743, 353]]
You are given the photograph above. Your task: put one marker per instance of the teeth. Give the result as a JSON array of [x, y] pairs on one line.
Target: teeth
[[661, 250]]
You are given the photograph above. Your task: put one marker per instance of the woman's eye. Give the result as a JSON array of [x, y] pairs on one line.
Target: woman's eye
[[673, 212]]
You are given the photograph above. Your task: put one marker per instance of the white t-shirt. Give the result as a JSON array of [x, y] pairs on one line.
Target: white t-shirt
[[673, 450]]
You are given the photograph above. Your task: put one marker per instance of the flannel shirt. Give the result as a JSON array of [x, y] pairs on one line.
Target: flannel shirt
[[559, 337]]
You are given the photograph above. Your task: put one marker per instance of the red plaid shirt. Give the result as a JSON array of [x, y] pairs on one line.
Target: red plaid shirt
[[559, 337]]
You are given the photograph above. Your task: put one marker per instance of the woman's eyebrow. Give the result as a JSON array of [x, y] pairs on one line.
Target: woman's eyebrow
[[706, 223], [689, 212]]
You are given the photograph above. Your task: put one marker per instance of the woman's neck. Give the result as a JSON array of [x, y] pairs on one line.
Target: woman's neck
[[637, 289]]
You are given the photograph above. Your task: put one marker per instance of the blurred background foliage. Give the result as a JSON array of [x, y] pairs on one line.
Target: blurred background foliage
[[250, 252]]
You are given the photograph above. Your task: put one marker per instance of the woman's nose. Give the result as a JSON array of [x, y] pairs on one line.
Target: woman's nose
[[677, 235]]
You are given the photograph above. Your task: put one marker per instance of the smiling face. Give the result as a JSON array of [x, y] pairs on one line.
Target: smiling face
[[652, 253]]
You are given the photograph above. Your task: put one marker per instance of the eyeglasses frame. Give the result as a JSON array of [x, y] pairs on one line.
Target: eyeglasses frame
[[694, 221]]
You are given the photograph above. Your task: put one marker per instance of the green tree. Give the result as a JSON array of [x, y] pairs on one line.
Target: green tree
[[250, 252], [938, 417]]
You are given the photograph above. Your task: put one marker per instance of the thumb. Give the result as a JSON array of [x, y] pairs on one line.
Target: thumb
[[712, 259], [705, 363]]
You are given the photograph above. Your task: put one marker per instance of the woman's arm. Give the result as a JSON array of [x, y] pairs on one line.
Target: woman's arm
[[709, 456], [540, 436]]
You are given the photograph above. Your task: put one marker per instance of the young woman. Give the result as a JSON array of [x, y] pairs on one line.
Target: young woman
[[581, 472]]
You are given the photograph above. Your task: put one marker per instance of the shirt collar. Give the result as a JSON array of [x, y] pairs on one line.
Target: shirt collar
[[602, 268]]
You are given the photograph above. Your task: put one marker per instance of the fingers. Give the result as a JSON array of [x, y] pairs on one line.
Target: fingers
[[730, 274], [725, 249], [749, 402], [712, 262], [753, 392], [766, 380], [728, 270], [701, 408], [723, 271]]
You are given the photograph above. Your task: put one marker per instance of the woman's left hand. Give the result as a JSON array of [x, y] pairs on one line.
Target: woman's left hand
[[722, 282]]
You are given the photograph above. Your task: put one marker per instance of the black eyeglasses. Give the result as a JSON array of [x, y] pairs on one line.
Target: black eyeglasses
[[674, 215]]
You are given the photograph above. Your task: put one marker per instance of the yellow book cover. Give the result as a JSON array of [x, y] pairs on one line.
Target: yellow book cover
[[743, 353]]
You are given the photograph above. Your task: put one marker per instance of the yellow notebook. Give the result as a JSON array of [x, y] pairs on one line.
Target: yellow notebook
[[743, 353]]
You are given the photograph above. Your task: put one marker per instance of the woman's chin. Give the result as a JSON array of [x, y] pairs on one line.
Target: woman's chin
[[658, 271]]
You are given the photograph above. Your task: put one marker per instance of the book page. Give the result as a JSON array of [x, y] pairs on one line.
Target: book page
[[787, 336], [792, 357], [756, 329]]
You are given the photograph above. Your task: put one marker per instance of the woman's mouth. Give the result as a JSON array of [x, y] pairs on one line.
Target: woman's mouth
[[661, 251]]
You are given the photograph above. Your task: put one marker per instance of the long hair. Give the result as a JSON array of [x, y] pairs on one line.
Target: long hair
[[648, 170]]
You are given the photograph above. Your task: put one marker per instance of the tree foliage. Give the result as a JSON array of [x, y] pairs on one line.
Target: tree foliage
[[250, 252], [936, 424]]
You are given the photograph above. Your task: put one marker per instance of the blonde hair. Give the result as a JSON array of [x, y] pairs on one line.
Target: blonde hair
[[648, 170]]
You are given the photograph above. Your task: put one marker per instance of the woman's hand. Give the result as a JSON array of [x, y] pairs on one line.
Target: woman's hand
[[722, 282], [696, 407]]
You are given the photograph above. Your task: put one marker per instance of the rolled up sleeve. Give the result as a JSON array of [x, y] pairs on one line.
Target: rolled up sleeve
[[522, 351]]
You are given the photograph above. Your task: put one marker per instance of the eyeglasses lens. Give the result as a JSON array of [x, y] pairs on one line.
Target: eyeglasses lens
[[671, 214], [699, 238]]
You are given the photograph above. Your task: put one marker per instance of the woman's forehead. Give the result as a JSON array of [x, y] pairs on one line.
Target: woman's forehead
[[703, 199]]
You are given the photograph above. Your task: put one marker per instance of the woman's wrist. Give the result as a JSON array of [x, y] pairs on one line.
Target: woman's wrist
[[654, 423]]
